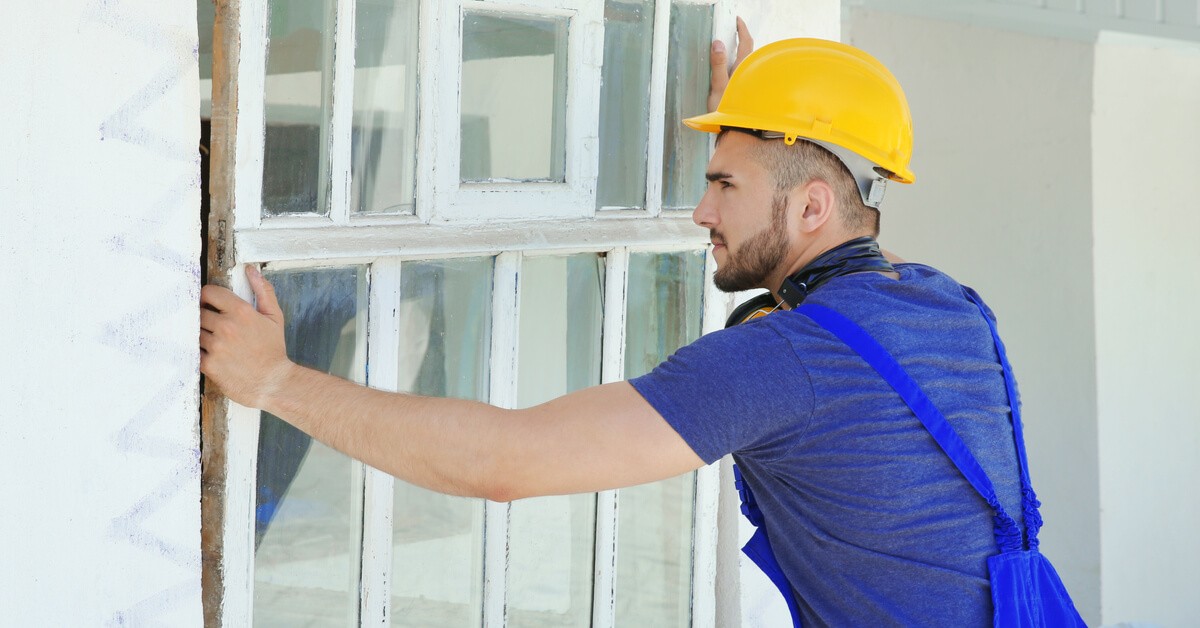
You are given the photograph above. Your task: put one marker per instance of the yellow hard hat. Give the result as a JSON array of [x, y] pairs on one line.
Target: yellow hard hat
[[824, 91]]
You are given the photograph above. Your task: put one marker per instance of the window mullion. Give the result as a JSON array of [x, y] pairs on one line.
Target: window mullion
[[503, 393], [342, 116], [658, 107], [242, 423], [612, 369], [704, 540], [251, 113], [241, 451], [383, 336], [432, 64]]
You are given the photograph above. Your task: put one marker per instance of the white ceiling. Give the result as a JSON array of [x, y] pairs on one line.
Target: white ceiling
[[1077, 19]]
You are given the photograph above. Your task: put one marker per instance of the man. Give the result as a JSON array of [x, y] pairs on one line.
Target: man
[[870, 522]]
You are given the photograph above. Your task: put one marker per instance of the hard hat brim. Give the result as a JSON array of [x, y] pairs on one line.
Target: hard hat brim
[[715, 121]]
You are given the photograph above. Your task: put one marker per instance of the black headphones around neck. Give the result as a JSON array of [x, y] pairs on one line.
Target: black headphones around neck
[[855, 256]]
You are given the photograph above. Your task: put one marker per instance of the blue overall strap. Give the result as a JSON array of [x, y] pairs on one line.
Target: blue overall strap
[[758, 548], [1007, 533], [1029, 500]]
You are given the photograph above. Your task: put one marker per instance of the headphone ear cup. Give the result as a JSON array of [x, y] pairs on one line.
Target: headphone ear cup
[[758, 305]]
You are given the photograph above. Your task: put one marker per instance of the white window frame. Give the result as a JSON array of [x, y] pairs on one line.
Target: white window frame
[[509, 221]]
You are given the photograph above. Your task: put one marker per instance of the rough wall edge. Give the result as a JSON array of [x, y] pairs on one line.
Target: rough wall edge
[[213, 407]]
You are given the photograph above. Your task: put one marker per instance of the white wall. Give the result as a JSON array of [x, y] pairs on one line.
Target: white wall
[[99, 451], [1146, 133], [1002, 202]]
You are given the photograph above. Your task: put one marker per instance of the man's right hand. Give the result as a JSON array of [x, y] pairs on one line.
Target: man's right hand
[[719, 60]]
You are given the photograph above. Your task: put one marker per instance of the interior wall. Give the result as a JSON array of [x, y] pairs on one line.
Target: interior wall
[[1145, 132], [99, 181], [1002, 202]]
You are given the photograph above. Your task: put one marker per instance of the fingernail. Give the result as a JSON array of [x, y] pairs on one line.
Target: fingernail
[[718, 46]]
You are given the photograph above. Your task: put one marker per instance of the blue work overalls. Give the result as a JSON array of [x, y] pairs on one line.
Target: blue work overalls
[[1026, 591]]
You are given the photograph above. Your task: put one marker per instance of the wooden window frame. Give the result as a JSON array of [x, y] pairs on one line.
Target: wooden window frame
[[450, 220]]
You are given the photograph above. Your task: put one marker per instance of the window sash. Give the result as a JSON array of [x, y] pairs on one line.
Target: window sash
[[385, 242]]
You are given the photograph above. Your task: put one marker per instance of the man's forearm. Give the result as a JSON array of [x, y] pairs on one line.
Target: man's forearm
[[448, 445]]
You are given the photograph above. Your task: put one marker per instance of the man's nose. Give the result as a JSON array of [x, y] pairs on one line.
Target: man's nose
[[705, 214]]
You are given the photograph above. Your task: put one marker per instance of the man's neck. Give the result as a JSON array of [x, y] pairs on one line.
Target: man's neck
[[811, 253]]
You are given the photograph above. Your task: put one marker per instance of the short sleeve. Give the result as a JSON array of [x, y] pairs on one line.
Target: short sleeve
[[739, 390]]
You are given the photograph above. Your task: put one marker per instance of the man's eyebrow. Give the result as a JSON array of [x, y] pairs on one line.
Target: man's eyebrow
[[717, 176]]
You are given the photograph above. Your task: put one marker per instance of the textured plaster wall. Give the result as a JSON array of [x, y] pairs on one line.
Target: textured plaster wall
[[99, 244], [1003, 202], [1145, 130]]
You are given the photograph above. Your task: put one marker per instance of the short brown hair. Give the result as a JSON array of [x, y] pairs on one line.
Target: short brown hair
[[795, 165]]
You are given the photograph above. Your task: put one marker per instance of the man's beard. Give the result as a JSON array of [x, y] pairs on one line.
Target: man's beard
[[757, 257]]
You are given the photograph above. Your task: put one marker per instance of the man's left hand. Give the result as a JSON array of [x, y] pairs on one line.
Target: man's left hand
[[242, 347]]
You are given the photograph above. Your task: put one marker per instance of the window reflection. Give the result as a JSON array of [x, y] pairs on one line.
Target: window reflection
[[383, 141], [308, 512], [514, 91], [437, 540], [297, 107], [686, 151], [625, 103], [552, 539], [654, 532]]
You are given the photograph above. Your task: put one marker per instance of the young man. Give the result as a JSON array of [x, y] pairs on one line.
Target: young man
[[870, 521]]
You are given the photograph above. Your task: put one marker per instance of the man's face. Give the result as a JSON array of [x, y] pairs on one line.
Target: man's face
[[746, 221]]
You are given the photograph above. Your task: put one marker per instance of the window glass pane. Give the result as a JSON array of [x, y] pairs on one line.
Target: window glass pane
[[552, 539], [514, 93], [654, 533], [383, 141], [625, 103], [299, 71], [437, 540], [686, 151], [308, 499]]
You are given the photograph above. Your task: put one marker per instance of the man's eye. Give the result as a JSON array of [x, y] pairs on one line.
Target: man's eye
[[725, 184]]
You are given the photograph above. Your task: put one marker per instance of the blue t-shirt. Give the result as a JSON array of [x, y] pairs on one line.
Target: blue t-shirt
[[869, 519]]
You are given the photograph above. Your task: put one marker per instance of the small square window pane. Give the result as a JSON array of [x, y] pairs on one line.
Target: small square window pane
[[297, 107], [654, 535], [513, 100], [308, 512], [383, 140], [437, 540], [685, 153], [625, 103], [552, 539]]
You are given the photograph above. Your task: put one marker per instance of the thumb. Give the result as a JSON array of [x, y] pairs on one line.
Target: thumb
[[265, 300]]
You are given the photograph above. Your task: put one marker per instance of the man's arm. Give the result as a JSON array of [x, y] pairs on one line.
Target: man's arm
[[597, 438]]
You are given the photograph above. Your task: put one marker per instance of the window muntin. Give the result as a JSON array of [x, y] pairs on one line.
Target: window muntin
[[308, 496], [297, 107], [384, 134], [513, 103]]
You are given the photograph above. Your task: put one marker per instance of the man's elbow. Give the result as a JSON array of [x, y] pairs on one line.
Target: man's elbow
[[505, 487]]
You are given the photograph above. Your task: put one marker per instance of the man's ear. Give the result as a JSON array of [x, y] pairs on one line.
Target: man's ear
[[819, 203]]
